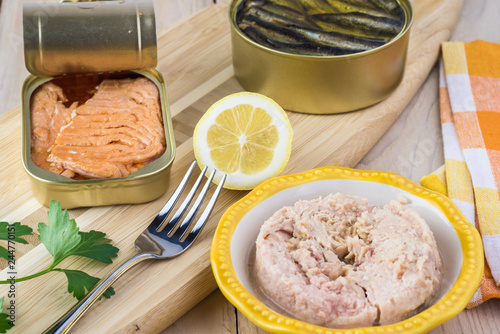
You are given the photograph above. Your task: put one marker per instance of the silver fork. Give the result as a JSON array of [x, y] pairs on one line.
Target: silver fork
[[154, 242]]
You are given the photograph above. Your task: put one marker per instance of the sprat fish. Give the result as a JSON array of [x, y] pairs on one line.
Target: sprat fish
[[321, 27]]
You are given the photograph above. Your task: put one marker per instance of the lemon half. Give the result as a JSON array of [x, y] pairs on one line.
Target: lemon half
[[247, 136]]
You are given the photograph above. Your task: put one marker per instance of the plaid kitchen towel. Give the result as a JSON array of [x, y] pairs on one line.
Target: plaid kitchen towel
[[470, 118]]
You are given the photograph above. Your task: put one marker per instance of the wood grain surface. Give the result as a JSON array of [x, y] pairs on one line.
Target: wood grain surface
[[411, 147]]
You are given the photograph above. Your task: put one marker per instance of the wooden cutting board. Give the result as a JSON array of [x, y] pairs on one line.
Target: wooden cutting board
[[195, 57]]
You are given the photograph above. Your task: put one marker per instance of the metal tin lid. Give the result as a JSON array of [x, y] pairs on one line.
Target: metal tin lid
[[85, 37]]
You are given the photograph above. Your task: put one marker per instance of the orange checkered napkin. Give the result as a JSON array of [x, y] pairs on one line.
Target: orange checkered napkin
[[470, 117]]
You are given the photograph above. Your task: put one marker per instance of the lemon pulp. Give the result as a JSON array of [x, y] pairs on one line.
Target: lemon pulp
[[245, 135]]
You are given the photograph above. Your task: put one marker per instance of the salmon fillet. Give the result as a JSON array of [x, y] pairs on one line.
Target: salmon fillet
[[340, 262], [113, 134]]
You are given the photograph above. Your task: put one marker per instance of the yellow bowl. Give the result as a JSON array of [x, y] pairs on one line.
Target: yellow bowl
[[458, 241]]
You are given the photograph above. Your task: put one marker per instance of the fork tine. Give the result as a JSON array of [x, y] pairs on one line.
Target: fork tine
[[167, 208], [194, 209], [204, 216], [182, 208]]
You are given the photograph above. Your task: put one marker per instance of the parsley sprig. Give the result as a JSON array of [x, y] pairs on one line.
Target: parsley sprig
[[63, 239], [14, 233], [5, 324]]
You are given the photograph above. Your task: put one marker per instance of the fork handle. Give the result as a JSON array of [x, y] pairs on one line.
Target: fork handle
[[67, 321]]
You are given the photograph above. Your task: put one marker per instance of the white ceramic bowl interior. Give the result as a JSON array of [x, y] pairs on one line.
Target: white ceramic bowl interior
[[243, 240]]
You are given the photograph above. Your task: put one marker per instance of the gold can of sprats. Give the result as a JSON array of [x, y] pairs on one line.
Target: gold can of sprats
[[320, 84], [78, 70]]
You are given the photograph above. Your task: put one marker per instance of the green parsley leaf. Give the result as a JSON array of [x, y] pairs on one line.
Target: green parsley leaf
[[17, 230], [5, 323], [61, 235], [79, 283], [94, 245], [4, 253], [63, 238]]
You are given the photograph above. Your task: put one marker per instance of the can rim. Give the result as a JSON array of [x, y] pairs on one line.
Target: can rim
[[405, 4], [157, 166]]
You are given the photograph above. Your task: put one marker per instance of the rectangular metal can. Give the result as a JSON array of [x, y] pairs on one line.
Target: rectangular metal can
[[146, 184]]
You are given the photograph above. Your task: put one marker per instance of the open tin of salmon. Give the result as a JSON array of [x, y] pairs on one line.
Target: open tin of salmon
[[80, 48]]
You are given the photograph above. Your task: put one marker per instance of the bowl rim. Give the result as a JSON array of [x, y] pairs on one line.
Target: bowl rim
[[446, 308]]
